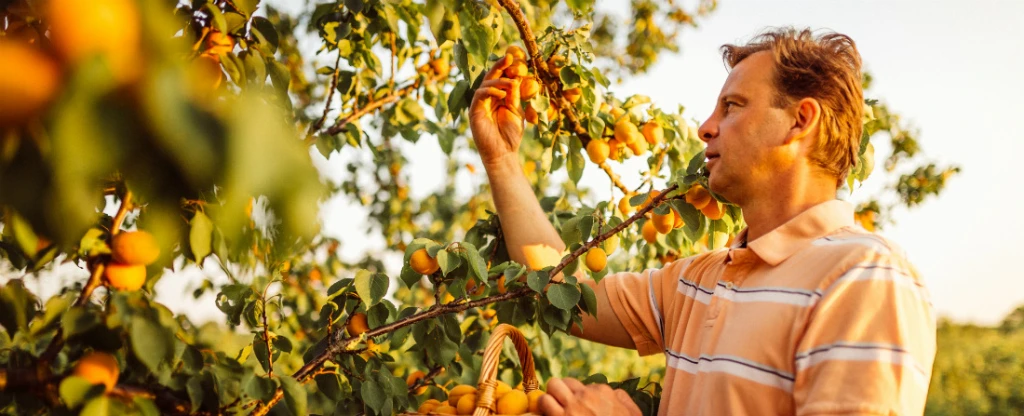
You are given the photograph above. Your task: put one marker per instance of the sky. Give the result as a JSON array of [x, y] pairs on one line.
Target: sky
[[950, 68]]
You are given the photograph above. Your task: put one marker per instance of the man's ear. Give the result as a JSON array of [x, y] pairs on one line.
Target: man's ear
[[806, 116]]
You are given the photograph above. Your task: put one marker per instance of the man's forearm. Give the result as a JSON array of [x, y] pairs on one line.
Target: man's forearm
[[523, 222]]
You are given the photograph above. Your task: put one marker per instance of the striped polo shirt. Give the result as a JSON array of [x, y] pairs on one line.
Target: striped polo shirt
[[817, 317]]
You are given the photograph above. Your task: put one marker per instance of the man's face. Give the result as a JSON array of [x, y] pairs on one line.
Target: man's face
[[745, 134]]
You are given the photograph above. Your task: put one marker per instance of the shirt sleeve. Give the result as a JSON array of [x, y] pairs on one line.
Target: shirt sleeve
[[869, 343], [638, 300]]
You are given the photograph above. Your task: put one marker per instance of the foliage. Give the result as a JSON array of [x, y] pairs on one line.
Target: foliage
[[207, 147]]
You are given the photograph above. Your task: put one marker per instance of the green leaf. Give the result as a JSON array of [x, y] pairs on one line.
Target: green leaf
[[103, 406], [145, 406], [563, 296], [246, 6], [93, 243], [259, 347], [371, 287], [595, 127], [75, 391], [569, 77], [576, 162], [477, 264], [192, 359], [18, 306], [589, 299], [537, 280], [689, 213], [260, 388], [696, 162], [200, 237], [282, 343], [448, 261], [294, 395], [266, 29], [457, 99], [151, 342], [194, 388], [330, 385], [373, 395]]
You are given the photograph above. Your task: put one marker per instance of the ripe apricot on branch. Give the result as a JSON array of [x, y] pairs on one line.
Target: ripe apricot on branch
[[713, 210], [513, 403], [413, 378], [624, 207], [517, 53], [598, 151], [82, 29], [596, 259], [441, 67], [218, 42], [357, 325], [422, 263], [663, 223], [653, 133], [518, 69], [529, 88], [125, 276], [531, 115], [98, 368], [135, 247], [572, 95], [28, 81], [649, 232], [698, 196], [428, 406], [625, 131], [539, 256], [678, 220]]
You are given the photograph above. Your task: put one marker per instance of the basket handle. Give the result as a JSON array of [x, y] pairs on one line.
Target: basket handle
[[489, 368]]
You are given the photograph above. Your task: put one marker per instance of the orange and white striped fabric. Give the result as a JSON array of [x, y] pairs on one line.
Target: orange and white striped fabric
[[818, 317]]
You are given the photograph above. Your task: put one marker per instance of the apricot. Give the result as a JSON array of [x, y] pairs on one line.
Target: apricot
[[529, 88], [663, 223], [28, 82], [677, 221], [713, 210], [624, 207], [501, 389], [533, 401], [218, 42], [441, 67], [517, 53], [596, 259], [598, 151], [458, 391], [698, 196], [531, 115], [518, 69], [625, 131], [611, 244], [135, 247], [428, 406], [80, 30], [357, 325], [638, 146], [413, 378], [539, 256], [98, 368], [653, 133], [466, 404], [572, 95], [445, 409], [422, 263], [514, 402], [649, 232], [126, 277]]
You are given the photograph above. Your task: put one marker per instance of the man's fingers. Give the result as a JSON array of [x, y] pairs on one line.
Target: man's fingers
[[575, 385], [627, 402], [503, 83], [558, 389], [549, 406], [489, 92], [499, 68], [512, 99]]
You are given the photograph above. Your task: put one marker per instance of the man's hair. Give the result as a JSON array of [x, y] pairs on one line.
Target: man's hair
[[826, 68]]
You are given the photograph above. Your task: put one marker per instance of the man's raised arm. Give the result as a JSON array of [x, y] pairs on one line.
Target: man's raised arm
[[497, 124]]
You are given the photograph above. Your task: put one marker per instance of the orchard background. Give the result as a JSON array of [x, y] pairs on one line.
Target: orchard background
[[204, 124]]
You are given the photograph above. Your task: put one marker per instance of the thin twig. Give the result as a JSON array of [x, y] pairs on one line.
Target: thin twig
[[614, 177], [330, 95]]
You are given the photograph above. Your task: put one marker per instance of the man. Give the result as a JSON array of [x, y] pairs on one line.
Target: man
[[805, 313]]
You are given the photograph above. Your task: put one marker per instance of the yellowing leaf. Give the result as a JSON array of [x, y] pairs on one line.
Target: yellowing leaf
[[539, 256]]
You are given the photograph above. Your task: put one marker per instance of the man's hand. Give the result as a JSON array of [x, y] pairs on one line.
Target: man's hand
[[569, 397], [494, 115]]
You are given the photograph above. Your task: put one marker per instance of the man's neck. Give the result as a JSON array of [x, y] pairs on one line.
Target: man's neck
[[769, 211]]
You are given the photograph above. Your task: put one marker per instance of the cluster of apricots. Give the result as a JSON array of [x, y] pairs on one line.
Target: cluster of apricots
[[462, 400], [30, 77], [207, 63], [623, 135], [132, 252], [436, 67], [529, 85], [697, 196]]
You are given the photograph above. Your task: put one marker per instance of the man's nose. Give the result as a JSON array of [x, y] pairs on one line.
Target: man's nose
[[708, 130]]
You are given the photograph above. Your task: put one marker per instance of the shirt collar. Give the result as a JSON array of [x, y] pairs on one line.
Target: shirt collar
[[797, 233]]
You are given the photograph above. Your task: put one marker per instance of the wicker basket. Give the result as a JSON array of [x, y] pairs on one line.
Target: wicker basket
[[489, 371]]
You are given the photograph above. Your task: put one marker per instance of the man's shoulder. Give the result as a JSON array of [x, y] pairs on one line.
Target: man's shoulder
[[854, 242]]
